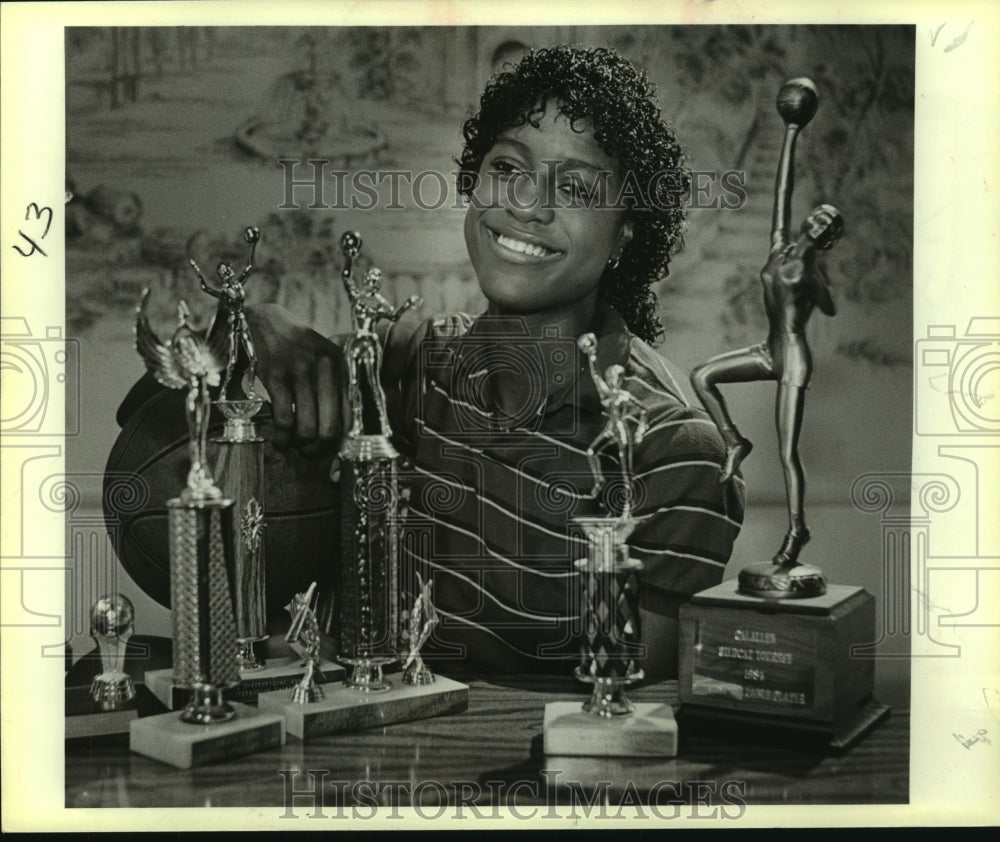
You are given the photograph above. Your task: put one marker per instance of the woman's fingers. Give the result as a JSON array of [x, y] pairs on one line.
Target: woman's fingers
[[300, 370]]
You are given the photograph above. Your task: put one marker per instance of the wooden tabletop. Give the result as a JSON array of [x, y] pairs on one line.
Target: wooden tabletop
[[492, 753]]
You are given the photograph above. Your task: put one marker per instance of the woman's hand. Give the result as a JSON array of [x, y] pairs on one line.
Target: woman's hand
[[302, 372]]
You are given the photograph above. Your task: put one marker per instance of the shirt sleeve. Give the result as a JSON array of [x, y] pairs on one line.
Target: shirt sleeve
[[687, 521]]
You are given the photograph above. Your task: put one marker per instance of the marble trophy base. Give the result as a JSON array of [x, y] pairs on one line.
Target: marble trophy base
[[649, 731], [276, 674], [170, 740], [348, 709], [778, 670]]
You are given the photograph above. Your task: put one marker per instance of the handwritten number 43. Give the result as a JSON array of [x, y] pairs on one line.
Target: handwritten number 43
[[40, 215]]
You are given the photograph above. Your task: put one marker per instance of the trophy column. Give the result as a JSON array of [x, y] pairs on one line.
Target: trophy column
[[368, 574], [611, 639], [204, 629], [240, 470]]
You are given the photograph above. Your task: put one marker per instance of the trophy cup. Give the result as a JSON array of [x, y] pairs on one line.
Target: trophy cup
[[608, 723], [362, 612], [200, 526], [772, 649], [109, 703]]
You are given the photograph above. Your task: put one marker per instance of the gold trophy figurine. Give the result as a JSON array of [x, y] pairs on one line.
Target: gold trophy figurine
[[303, 633], [232, 294], [422, 622], [620, 408]]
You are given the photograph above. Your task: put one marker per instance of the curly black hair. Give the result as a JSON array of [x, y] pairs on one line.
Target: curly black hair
[[599, 86]]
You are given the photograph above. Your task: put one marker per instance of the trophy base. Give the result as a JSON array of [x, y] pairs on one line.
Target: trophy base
[[608, 699], [167, 739], [276, 674], [345, 709], [247, 658], [778, 581], [112, 691], [88, 718], [777, 730], [208, 707], [780, 663], [366, 674], [650, 730]]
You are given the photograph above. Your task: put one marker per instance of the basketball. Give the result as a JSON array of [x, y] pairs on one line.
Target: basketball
[[797, 101], [148, 465]]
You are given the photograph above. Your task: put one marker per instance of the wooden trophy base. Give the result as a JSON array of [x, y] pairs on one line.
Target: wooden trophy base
[[276, 674], [347, 709], [649, 731], [170, 740], [766, 668]]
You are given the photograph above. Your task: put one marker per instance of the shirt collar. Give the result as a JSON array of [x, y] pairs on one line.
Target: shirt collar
[[613, 346]]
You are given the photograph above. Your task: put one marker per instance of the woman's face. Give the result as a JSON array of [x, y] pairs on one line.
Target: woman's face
[[533, 251]]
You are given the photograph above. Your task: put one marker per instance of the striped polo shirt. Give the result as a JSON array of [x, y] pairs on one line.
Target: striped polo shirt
[[492, 496]]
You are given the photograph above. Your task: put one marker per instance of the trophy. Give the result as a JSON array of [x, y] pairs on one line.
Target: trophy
[[304, 629], [362, 612], [368, 573], [773, 648], [422, 621], [239, 461], [200, 527], [608, 723], [109, 704], [111, 626]]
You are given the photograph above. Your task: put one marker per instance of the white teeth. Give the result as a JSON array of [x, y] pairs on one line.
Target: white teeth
[[524, 248]]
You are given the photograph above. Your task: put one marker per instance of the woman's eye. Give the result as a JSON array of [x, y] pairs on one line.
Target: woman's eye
[[576, 190], [502, 165]]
